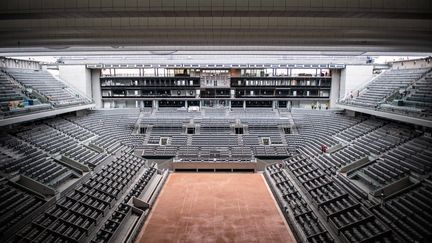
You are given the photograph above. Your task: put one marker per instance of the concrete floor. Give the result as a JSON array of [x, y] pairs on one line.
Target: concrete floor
[[215, 207]]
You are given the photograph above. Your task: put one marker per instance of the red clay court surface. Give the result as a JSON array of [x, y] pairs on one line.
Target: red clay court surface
[[214, 207]]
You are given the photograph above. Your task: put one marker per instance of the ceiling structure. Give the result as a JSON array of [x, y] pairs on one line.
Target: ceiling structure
[[357, 26]]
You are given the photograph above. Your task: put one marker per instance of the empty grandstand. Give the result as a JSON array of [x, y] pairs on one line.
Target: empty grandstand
[[215, 121]]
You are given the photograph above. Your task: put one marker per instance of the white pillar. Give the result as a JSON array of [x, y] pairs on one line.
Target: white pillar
[[335, 87], [96, 87]]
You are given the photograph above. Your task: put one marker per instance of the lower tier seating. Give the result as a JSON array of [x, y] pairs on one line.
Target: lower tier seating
[[76, 215], [15, 205], [410, 214]]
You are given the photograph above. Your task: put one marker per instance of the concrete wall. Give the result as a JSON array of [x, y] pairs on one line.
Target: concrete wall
[[335, 87], [354, 76], [78, 76], [96, 88], [419, 63], [17, 63]]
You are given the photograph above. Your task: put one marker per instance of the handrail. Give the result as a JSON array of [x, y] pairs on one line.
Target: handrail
[[71, 87], [410, 87], [359, 89], [24, 87], [392, 95]]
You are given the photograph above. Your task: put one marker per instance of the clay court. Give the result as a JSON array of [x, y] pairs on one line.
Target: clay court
[[215, 208]]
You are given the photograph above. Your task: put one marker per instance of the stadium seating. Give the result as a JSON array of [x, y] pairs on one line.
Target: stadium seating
[[77, 214], [412, 157], [415, 100], [58, 93], [8, 92], [385, 85], [352, 221], [406, 92], [123, 210], [15, 205], [321, 202], [56, 142], [392, 151], [296, 207], [317, 127], [410, 214], [12, 99], [32, 162], [113, 127], [71, 129]]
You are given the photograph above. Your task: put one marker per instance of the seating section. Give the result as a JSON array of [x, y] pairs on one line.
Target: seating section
[[266, 130], [71, 129], [405, 92], [412, 157], [75, 216], [410, 214], [296, 208], [352, 221], [56, 142], [24, 91], [8, 92], [385, 152], [15, 205], [385, 85], [417, 100], [252, 112], [374, 143], [316, 128], [209, 154], [213, 139], [359, 129], [321, 202], [32, 162], [58, 93], [421, 93], [14, 100], [112, 225], [113, 127]]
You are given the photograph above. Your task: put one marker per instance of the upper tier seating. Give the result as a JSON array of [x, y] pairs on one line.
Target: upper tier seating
[[12, 99], [8, 92], [421, 94], [417, 101], [58, 93], [385, 85]]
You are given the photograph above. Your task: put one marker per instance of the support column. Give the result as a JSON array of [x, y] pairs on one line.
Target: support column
[[335, 87], [96, 87], [244, 104]]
